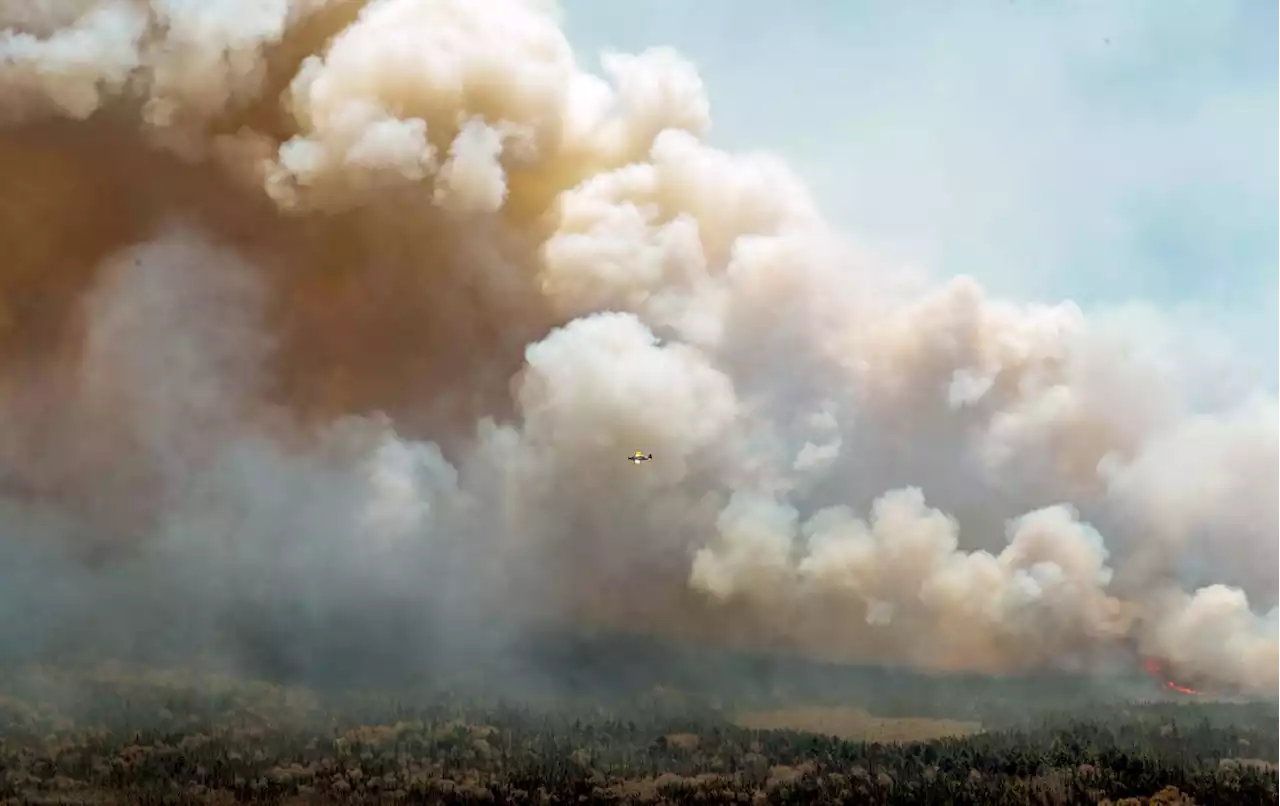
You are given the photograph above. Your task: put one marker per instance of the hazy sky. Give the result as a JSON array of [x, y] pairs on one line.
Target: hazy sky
[[1108, 152]]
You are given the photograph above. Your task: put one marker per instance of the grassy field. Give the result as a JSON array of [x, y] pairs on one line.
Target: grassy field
[[855, 724]]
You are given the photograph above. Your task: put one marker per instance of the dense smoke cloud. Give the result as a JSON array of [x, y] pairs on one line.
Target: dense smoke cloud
[[328, 325]]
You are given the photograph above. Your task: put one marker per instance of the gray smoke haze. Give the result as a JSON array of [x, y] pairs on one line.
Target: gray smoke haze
[[325, 328]]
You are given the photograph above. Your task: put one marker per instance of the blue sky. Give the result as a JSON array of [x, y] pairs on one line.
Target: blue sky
[[1107, 152]]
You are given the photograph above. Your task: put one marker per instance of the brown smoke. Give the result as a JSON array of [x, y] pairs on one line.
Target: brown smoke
[[311, 304]]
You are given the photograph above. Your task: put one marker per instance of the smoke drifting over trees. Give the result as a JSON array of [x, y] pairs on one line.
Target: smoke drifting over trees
[[328, 325]]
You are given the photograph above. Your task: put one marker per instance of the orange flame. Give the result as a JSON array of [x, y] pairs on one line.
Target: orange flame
[[1156, 669]]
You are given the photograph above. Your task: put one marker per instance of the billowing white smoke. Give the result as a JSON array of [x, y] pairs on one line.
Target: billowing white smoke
[[327, 316]]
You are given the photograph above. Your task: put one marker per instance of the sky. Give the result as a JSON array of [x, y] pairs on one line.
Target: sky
[[347, 336], [1114, 154]]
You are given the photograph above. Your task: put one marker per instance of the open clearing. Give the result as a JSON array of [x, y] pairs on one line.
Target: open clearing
[[855, 724]]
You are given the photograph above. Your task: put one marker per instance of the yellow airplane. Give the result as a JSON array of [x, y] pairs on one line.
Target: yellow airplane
[[638, 457]]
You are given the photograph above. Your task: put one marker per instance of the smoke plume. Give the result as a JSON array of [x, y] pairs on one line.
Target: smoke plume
[[326, 327]]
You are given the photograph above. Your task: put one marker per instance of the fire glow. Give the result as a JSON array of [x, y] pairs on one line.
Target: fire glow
[[1156, 670]]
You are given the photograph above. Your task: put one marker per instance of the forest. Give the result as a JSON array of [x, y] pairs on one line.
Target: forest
[[664, 732]]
